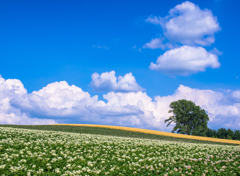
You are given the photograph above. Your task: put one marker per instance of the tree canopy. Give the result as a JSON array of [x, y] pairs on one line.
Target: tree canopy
[[189, 118]]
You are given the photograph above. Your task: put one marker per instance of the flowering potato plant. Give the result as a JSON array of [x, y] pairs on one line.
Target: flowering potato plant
[[33, 152]]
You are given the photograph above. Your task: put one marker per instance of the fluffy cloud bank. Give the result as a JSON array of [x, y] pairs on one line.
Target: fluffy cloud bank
[[59, 102], [109, 82], [185, 60], [188, 24]]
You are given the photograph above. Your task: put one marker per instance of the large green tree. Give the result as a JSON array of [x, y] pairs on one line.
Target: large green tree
[[189, 118]]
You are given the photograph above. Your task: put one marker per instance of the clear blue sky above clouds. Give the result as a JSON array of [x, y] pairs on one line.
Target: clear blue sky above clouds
[[45, 42]]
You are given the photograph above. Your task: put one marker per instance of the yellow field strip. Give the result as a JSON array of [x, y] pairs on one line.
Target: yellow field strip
[[157, 133]]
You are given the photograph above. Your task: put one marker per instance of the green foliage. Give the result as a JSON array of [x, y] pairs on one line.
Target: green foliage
[[222, 133], [229, 137], [230, 134], [189, 118], [236, 134]]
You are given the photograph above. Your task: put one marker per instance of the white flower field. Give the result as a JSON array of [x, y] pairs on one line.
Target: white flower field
[[32, 152]]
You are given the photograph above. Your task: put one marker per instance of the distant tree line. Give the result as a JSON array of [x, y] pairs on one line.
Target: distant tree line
[[222, 133]]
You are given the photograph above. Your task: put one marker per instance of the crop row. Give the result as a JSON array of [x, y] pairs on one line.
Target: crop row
[[32, 152]]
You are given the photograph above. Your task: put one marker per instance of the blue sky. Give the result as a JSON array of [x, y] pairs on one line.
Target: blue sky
[[43, 43]]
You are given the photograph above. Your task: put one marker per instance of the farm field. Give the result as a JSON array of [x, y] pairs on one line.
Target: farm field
[[112, 132], [39, 152]]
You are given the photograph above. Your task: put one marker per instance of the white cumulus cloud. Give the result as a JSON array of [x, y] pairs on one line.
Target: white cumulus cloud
[[10, 89], [107, 82], [57, 100], [188, 24], [185, 60], [185, 30]]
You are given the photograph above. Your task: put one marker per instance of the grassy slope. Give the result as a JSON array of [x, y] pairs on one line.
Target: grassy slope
[[111, 132]]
